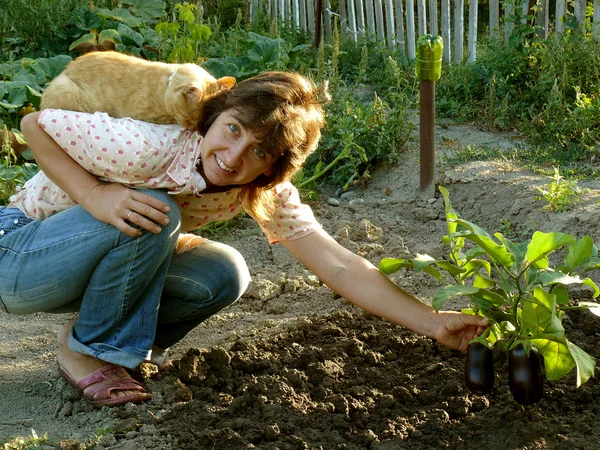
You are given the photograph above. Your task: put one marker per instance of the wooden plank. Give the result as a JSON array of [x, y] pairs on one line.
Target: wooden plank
[[509, 17], [433, 17], [446, 31], [410, 30], [561, 8], [472, 39], [310, 15], [379, 20], [596, 23], [352, 20], [494, 19], [327, 17], [400, 37], [303, 19], [296, 14], [422, 17], [542, 19], [343, 20], [459, 25], [580, 6], [389, 22], [370, 13], [360, 18]]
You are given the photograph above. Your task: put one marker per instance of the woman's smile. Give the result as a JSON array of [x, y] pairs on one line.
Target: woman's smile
[[222, 165]]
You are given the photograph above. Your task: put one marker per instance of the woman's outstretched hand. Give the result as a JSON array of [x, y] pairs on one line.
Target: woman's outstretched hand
[[123, 207], [455, 330]]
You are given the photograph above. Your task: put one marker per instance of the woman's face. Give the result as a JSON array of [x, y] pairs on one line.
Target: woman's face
[[231, 153]]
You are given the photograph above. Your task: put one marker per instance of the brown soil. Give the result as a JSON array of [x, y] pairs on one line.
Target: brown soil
[[293, 366]]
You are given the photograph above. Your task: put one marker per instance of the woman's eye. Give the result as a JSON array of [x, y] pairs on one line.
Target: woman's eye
[[234, 128], [258, 152]]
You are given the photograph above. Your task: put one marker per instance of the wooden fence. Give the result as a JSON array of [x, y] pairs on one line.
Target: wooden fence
[[398, 23]]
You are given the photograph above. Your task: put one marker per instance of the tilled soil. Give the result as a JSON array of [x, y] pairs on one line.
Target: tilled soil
[[353, 381]]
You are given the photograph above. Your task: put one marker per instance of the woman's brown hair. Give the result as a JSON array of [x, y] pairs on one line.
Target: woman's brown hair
[[284, 110]]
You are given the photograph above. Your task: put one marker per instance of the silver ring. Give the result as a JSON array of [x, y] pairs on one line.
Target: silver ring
[[129, 215]]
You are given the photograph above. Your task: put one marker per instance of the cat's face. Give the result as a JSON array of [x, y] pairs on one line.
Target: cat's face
[[231, 153]]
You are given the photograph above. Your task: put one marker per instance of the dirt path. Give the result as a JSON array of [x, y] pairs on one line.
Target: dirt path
[[277, 370]]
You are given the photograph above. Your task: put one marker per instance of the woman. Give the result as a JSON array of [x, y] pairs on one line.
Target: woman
[[81, 243]]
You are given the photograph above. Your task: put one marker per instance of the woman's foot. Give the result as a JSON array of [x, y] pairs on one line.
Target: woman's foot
[[100, 382]]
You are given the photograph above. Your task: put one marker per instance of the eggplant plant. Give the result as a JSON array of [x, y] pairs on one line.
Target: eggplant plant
[[514, 285]]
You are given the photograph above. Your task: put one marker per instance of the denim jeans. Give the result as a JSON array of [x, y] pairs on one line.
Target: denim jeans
[[135, 297]]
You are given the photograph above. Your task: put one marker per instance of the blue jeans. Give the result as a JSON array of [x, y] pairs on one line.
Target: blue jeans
[[135, 297]]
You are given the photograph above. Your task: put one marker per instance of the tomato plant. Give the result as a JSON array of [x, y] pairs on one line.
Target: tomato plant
[[514, 285]]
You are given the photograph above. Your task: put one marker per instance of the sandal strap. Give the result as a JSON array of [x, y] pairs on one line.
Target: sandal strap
[[103, 381]]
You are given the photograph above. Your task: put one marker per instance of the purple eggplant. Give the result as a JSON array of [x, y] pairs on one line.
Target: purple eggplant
[[525, 378], [479, 369]]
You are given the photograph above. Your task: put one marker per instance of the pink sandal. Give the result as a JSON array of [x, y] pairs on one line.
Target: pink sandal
[[103, 382]]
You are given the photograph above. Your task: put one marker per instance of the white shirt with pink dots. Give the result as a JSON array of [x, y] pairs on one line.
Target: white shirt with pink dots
[[144, 155]]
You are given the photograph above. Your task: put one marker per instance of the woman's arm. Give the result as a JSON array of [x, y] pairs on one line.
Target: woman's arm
[[357, 280], [109, 203]]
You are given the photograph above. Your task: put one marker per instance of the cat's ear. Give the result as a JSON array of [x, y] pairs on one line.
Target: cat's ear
[[226, 82]]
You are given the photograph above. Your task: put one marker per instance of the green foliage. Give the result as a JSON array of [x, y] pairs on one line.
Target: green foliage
[[32, 442], [561, 193], [514, 285], [181, 40]]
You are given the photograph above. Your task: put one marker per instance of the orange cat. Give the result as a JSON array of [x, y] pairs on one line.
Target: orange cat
[[127, 86]]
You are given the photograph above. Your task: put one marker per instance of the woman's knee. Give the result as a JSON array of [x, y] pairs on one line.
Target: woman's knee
[[174, 214]]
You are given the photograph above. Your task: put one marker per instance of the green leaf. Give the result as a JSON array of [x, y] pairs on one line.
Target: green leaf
[[120, 15], [580, 252], [450, 213], [391, 265], [558, 360], [89, 38], [50, 68], [496, 251], [585, 363], [542, 244], [448, 292], [109, 34], [146, 9]]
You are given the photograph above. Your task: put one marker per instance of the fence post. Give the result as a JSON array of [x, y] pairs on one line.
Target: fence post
[[360, 18], [410, 29], [580, 13], [318, 22], [343, 20], [596, 23], [379, 20], [370, 18], [542, 19], [509, 17], [433, 17], [422, 17], [400, 39], [352, 20], [561, 7], [494, 18], [459, 25], [389, 17], [446, 29], [472, 40]]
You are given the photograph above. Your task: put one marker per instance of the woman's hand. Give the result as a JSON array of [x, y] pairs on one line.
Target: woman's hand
[[456, 330], [120, 206]]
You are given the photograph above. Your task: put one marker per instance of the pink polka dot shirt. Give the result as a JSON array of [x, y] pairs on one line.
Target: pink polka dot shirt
[[144, 155]]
